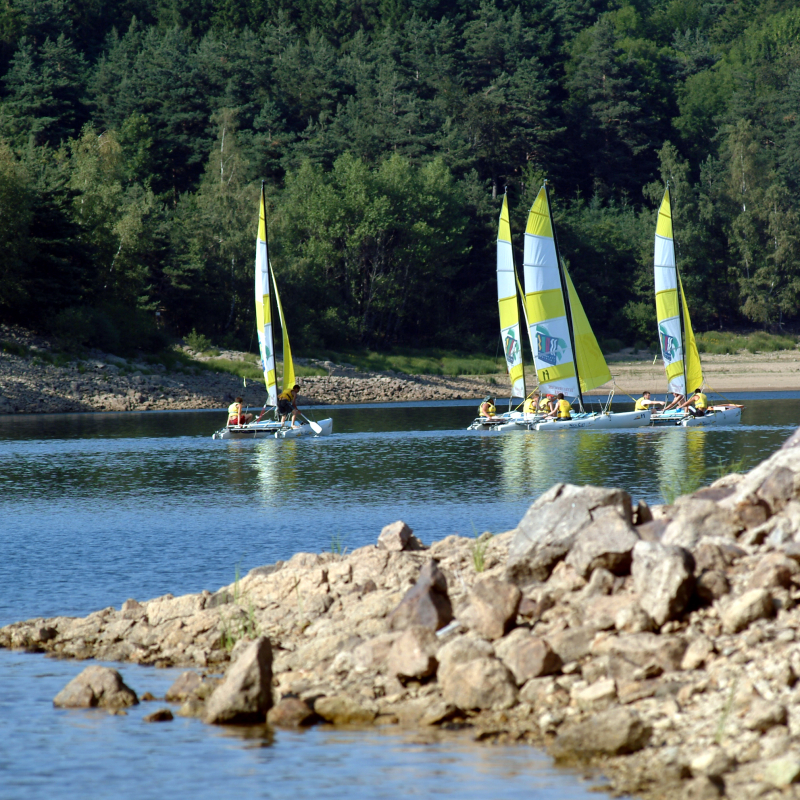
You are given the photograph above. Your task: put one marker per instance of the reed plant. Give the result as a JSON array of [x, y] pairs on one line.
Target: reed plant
[[676, 484], [479, 551]]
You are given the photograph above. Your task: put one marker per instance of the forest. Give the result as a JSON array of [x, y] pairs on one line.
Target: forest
[[135, 136]]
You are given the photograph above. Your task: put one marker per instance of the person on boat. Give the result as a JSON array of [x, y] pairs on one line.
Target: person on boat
[[531, 405], [235, 415], [644, 402], [486, 408], [561, 412], [287, 404], [697, 404], [547, 403]]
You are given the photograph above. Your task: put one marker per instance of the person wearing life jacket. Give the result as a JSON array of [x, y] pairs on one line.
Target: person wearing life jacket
[[644, 402], [287, 404], [486, 408], [547, 403], [677, 400], [235, 415], [700, 402], [561, 412], [531, 405]]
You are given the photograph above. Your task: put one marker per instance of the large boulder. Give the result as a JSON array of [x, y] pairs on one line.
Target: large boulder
[[616, 731], [413, 654], [528, 657], [606, 543], [663, 578], [397, 537], [752, 605], [461, 650], [246, 693], [426, 603], [551, 525], [96, 686], [492, 608], [483, 683]]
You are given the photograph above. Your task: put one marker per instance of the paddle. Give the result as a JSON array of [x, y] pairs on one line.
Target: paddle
[[314, 427]]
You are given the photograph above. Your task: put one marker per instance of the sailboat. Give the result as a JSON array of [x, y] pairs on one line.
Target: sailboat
[[678, 345], [567, 357], [510, 336], [261, 428]]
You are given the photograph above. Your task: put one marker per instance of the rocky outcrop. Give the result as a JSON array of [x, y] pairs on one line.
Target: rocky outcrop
[[96, 687], [673, 667]]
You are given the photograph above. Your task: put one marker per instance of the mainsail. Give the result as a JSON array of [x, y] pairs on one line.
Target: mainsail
[[566, 353], [288, 364], [509, 307], [678, 346], [266, 339]]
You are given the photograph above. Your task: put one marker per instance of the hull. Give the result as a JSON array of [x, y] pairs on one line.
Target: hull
[[273, 430], [597, 422], [511, 422], [716, 415]]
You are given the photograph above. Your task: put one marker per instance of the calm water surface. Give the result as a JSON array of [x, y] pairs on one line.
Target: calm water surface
[[98, 508]]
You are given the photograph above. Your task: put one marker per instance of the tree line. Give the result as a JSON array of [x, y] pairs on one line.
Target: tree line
[[134, 136]]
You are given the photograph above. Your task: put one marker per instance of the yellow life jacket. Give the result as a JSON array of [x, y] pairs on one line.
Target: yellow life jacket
[[287, 395], [641, 404], [544, 404], [234, 410], [529, 407], [563, 409], [700, 401], [490, 410]]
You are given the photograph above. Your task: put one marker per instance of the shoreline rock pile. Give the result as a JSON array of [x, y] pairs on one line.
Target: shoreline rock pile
[[660, 646]]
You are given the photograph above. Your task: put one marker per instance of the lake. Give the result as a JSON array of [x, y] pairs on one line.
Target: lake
[[98, 508]]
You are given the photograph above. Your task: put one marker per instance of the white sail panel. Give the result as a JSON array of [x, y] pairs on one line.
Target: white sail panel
[[509, 305], [544, 302], [266, 344]]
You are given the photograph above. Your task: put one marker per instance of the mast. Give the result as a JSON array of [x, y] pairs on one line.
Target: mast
[[565, 292]]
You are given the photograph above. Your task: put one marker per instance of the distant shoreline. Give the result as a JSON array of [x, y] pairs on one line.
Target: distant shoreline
[[29, 384]]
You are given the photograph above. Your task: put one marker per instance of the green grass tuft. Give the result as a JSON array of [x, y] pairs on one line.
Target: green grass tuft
[[677, 484]]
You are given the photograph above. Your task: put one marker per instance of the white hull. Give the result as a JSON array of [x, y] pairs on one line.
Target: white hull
[[511, 422], [273, 430], [716, 415], [597, 422]]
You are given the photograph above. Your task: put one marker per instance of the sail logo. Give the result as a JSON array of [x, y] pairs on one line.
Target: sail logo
[[511, 346], [670, 346], [549, 348]]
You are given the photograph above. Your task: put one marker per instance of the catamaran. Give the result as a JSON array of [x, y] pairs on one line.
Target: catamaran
[[678, 345], [567, 357], [510, 336], [261, 427]]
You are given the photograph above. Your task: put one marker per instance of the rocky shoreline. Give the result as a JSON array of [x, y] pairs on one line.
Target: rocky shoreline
[[30, 383], [659, 646]]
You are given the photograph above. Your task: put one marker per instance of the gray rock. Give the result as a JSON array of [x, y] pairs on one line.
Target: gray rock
[[702, 788], [697, 516], [530, 657], [711, 584], [340, 709], [663, 578], [632, 618], [291, 712], [549, 528], [765, 715], [461, 650], [606, 543], [96, 686], [644, 649], [712, 762], [617, 731], [183, 687], [492, 608], [413, 653], [395, 536], [752, 605], [572, 644], [783, 771], [697, 653], [162, 715], [245, 695], [426, 603], [773, 571], [483, 683]]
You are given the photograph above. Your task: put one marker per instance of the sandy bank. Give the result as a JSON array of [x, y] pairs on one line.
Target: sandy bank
[[661, 646]]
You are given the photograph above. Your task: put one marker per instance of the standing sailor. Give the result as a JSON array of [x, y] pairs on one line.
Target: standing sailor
[[287, 404]]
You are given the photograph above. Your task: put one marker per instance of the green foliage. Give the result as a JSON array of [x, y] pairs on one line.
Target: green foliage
[[676, 484], [758, 342], [197, 341], [430, 361], [479, 551]]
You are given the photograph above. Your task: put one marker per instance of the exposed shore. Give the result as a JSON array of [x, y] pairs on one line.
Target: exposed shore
[[29, 384], [659, 646]]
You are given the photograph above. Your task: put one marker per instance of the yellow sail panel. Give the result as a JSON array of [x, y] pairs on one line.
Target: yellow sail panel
[[592, 368], [694, 370], [667, 304], [544, 302], [288, 364], [266, 344], [508, 305]]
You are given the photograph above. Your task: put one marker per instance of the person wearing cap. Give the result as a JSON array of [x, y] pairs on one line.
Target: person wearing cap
[[700, 402], [547, 403], [644, 402], [561, 412], [287, 404], [486, 408], [235, 415]]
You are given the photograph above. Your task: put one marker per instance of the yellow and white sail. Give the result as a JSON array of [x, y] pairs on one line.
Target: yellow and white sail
[[678, 346], [288, 364], [266, 340], [509, 307]]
